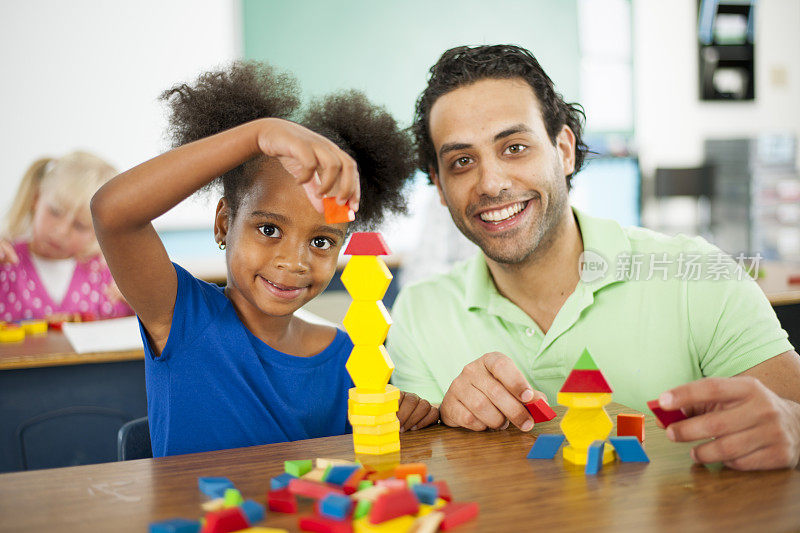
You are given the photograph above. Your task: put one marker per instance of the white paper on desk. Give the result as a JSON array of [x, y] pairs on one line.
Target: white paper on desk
[[113, 335]]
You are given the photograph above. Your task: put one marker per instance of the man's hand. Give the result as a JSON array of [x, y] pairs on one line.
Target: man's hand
[[752, 427], [415, 412], [489, 392]]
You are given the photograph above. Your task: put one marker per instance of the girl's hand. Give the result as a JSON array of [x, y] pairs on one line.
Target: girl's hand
[[7, 253], [319, 165], [415, 412]]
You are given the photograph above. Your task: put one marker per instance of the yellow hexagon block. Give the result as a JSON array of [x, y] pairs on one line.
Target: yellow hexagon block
[[376, 440], [395, 525], [366, 277], [367, 323], [584, 426], [370, 367], [371, 420], [584, 399], [377, 429], [373, 409], [377, 450], [390, 393]]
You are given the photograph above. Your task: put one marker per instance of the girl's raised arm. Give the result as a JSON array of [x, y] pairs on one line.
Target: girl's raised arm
[[124, 208]]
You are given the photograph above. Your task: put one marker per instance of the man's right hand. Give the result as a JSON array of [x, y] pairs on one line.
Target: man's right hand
[[489, 393]]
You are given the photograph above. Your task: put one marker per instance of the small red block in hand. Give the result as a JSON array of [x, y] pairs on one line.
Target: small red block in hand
[[540, 411], [666, 417]]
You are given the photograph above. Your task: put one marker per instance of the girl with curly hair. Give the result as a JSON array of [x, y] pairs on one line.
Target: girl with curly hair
[[231, 367]]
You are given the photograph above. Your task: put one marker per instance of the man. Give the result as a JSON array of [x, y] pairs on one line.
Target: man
[[501, 146]]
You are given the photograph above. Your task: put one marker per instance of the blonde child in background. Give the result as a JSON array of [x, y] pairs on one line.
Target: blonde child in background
[[50, 263]]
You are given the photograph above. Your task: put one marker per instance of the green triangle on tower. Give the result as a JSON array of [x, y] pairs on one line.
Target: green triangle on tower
[[585, 362]]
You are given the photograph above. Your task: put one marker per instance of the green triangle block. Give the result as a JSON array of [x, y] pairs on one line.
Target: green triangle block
[[585, 362]]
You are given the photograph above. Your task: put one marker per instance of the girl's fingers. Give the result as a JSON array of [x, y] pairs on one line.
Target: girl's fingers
[[7, 253]]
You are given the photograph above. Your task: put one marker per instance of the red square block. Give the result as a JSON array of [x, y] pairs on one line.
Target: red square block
[[630, 425], [335, 213]]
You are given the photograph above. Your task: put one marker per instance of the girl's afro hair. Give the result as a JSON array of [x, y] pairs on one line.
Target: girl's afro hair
[[249, 90]]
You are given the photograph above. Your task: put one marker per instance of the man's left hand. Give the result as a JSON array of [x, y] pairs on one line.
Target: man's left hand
[[752, 427]]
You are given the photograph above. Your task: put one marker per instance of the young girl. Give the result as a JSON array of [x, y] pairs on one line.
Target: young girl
[[234, 367], [50, 263]]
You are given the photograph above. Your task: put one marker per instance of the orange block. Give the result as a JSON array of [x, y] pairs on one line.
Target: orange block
[[335, 213], [403, 471], [630, 425]]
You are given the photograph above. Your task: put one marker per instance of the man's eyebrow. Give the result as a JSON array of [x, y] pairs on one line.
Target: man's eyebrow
[[452, 147], [273, 216], [517, 128]]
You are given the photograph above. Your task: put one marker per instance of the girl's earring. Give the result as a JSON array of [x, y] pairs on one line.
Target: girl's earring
[[221, 246]]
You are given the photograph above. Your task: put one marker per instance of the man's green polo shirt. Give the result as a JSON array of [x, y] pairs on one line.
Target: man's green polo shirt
[[654, 311]]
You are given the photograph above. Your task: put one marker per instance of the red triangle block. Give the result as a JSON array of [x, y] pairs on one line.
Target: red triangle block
[[225, 520], [367, 243], [393, 504], [586, 381]]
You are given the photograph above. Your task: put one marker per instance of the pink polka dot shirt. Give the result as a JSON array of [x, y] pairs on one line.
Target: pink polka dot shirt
[[23, 295]]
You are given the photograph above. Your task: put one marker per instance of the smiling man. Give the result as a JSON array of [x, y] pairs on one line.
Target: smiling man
[[666, 317]]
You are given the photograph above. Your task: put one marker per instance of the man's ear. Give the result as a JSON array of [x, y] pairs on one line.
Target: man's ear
[[565, 144], [435, 179], [221, 220]]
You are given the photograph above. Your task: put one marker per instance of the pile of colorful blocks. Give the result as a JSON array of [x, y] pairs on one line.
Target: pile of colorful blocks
[[347, 498], [10, 332]]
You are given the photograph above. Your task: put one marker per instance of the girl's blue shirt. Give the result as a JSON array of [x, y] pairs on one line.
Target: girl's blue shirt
[[216, 385]]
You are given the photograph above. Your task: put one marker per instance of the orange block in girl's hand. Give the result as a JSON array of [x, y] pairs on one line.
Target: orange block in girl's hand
[[335, 213], [630, 425]]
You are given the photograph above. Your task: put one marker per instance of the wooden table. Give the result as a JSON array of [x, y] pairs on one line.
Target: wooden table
[[59, 408], [514, 493]]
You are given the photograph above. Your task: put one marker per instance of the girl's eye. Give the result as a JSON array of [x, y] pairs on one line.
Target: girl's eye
[[516, 149], [462, 162], [270, 231], [322, 243]]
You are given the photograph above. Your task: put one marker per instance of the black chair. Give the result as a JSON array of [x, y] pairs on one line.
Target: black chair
[[133, 440]]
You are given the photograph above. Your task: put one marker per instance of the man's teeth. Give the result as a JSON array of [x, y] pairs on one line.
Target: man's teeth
[[502, 214]]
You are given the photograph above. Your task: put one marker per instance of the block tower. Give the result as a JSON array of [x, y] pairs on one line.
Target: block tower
[[372, 403], [585, 393]]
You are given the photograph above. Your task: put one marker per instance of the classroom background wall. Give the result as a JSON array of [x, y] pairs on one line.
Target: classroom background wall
[[87, 74]]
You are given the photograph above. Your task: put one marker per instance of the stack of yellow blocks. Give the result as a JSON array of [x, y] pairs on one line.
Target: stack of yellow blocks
[[372, 403]]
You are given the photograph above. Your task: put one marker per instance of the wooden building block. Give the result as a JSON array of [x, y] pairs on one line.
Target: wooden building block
[[372, 409], [444, 490], [362, 508], [335, 506], [594, 459], [378, 429], [404, 470], [586, 381], [393, 504], [297, 467], [367, 243], [630, 424], [232, 498], [322, 462], [34, 327], [666, 417], [335, 213], [367, 323], [375, 440], [366, 277], [584, 426], [428, 523], [371, 420], [282, 501], [370, 367], [390, 393], [11, 333], [176, 525], [456, 514], [546, 446], [629, 449], [400, 524], [540, 411], [313, 489], [224, 521], [254, 511], [281, 481], [377, 450], [580, 456], [338, 474], [323, 524], [584, 400], [214, 487]]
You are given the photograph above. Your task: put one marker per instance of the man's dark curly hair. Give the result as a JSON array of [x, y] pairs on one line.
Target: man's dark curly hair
[[249, 90], [465, 65]]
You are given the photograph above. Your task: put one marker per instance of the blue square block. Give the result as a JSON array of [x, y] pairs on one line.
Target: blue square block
[[281, 481], [629, 449], [426, 493], [594, 462], [254, 511], [214, 487], [176, 525], [338, 474], [335, 506], [546, 446]]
